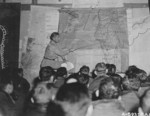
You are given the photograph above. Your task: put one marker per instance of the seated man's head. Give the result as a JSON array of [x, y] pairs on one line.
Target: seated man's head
[[145, 102], [131, 83], [61, 72], [74, 99], [46, 73], [100, 69], [142, 75], [135, 72], [84, 70], [108, 89], [111, 69], [6, 83], [117, 79], [55, 37], [42, 93]]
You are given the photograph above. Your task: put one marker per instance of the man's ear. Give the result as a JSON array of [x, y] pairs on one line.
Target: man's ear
[[106, 70], [97, 93], [95, 72], [119, 98]]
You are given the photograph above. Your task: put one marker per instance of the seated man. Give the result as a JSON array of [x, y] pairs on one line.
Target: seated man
[[46, 74], [84, 70], [42, 95], [74, 99], [100, 71], [6, 89], [130, 97], [135, 72], [60, 76], [54, 55], [19, 82], [109, 101], [111, 69]]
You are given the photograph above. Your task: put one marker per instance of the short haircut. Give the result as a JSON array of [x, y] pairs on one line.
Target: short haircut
[[84, 67], [100, 66], [72, 93], [53, 35], [108, 92], [113, 66], [117, 79], [61, 71], [47, 69], [133, 72]]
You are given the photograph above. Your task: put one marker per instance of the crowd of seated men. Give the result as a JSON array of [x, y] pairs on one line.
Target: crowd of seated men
[[101, 92]]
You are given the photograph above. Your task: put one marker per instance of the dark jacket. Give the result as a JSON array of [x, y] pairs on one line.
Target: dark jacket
[[35, 110], [7, 103], [21, 85]]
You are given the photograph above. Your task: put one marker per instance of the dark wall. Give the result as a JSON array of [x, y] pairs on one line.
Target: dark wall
[[9, 34]]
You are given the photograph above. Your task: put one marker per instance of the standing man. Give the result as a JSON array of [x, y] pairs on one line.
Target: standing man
[[54, 55]]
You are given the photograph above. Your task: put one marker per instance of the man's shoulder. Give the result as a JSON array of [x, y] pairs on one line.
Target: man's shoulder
[[3, 94], [111, 107]]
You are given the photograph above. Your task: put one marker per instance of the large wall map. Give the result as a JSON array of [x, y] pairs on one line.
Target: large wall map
[[101, 30]]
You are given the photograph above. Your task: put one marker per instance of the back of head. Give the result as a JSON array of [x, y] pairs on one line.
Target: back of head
[[108, 89], [74, 99], [72, 92], [132, 71], [84, 70], [117, 79], [100, 66], [53, 35], [100, 69], [45, 73], [61, 72], [111, 69]]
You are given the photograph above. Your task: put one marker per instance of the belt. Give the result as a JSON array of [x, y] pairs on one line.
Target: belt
[[49, 58]]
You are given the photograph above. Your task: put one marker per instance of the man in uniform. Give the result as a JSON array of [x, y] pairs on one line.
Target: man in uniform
[[54, 55]]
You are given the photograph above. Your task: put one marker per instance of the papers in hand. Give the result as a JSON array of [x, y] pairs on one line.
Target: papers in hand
[[67, 65]]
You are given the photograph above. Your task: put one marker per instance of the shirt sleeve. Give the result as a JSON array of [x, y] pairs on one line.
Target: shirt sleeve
[[61, 52]]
